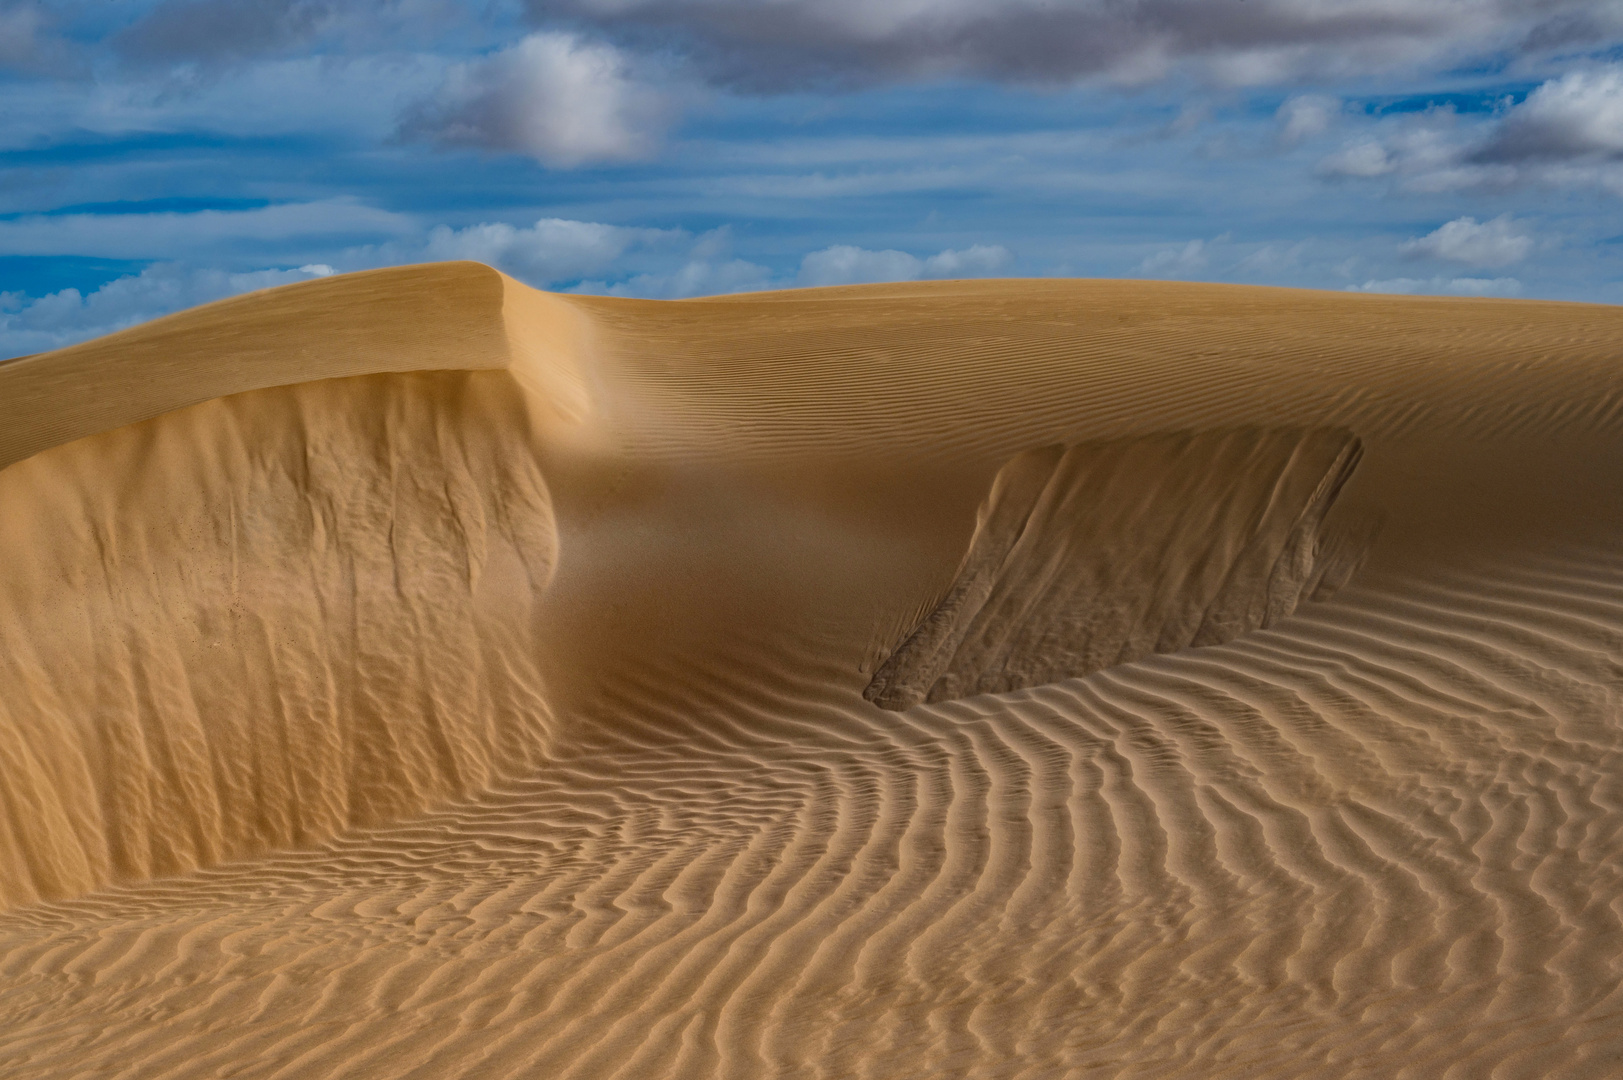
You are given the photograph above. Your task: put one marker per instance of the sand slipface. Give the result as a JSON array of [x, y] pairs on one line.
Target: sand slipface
[[1090, 556], [414, 674]]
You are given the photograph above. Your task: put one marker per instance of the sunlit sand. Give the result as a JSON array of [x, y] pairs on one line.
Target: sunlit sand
[[412, 674]]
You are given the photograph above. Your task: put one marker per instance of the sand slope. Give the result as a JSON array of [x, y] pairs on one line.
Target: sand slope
[[411, 674], [1099, 554]]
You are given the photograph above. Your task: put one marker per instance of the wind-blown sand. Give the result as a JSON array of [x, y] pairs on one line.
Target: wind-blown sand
[[411, 674]]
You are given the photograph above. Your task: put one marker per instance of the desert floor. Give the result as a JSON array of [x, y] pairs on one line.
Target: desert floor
[[411, 674]]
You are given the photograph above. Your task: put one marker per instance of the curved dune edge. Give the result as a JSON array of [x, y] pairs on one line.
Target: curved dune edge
[[508, 722], [460, 316], [1095, 359]]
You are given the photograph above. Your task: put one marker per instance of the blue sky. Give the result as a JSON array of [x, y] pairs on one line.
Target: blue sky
[[156, 154]]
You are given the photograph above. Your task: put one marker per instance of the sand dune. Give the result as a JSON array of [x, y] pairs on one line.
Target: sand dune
[[412, 674]]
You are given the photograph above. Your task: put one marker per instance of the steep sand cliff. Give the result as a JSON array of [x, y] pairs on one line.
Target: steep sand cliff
[[413, 674]]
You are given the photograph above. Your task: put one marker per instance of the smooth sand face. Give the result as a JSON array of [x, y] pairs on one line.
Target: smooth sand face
[[414, 675]]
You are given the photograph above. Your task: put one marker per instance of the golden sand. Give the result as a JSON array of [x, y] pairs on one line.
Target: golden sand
[[412, 674]]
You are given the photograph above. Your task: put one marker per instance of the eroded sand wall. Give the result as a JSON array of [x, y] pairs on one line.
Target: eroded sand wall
[[260, 620], [1099, 554]]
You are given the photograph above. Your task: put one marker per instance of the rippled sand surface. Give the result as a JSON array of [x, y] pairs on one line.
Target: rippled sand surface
[[410, 674]]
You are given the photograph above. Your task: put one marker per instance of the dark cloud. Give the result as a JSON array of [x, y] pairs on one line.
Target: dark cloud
[[561, 100], [225, 29], [778, 45], [218, 32], [1580, 29], [29, 44]]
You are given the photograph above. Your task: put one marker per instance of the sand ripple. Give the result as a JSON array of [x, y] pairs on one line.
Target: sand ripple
[[1381, 836]]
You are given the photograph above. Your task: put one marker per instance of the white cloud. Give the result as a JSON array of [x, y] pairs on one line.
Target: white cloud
[[562, 100], [980, 260], [1568, 133], [1440, 286], [1176, 261], [697, 277], [1577, 115], [844, 264], [1429, 152], [1304, 116], [1363, 159], [553, 249], [1487, 244]]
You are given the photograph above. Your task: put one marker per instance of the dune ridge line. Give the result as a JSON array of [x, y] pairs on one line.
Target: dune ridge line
[[459, 316]]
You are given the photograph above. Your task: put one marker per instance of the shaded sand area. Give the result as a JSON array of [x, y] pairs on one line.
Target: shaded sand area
[[411, 674]]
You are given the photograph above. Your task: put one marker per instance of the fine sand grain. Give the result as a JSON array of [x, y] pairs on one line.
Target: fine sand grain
[[414, 675]]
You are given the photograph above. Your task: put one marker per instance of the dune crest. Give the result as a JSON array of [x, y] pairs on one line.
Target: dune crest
[[458, 316]]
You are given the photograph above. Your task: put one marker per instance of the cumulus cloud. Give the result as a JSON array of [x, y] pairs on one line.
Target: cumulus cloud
[[979, 260], [551, 250], [696, 277], [1567, 133], [1441, 286], [561, 99], [1486, 244], [587, 257], [794, 42], [843, 264], [1576, 116]]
